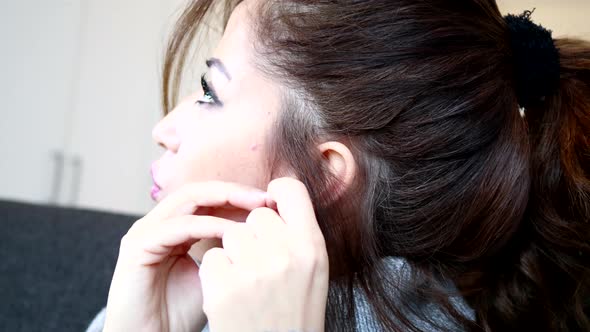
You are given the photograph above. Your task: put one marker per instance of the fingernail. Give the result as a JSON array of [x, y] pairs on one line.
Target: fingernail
[[271, 204], [187, 208], [260, 196]]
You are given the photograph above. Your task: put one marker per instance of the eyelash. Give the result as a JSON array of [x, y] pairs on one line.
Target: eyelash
[[208, 93]]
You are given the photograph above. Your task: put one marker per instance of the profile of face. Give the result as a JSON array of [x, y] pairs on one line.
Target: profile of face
[[219, 133]]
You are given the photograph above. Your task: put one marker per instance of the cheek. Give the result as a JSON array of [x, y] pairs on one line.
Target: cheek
[[230, 154]]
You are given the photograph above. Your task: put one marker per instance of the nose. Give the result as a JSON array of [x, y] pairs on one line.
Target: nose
[[165, 133]]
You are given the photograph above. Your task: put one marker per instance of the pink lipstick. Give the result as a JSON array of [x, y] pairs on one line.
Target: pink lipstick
[[155, 192], [155, 188]]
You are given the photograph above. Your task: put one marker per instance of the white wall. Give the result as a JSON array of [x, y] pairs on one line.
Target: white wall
[[82, 78], [563, 17], [38, 53]]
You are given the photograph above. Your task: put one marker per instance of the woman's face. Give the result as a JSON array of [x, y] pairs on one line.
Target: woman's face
[[220, 135]]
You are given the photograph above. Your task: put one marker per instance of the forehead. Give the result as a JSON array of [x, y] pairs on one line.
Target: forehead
[[235, 46]]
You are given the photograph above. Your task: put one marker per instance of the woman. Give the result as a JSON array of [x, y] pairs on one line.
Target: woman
[[436, 152]]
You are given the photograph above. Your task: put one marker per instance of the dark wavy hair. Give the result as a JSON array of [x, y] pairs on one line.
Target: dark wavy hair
[[450, 176]]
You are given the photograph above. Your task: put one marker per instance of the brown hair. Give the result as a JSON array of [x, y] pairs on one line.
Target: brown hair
[[451, 177]]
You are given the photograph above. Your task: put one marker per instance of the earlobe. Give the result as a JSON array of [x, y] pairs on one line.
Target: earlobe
[[341, 163]]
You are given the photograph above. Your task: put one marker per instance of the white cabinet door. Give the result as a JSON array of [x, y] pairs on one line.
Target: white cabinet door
[[82, 78], [38, 66], [116, 105], [118, 102]]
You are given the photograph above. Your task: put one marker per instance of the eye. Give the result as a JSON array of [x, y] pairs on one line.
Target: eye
[[209, 96]]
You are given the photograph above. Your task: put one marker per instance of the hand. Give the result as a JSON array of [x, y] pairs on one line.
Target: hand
[[156, 285], [272, 272]]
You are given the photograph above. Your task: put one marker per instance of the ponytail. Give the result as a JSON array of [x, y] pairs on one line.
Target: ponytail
[[548, 288], [557, 262]]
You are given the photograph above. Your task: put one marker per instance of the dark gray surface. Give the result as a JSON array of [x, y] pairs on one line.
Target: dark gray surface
[[56, 266]]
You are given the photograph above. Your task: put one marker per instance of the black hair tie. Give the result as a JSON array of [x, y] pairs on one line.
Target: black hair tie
[[536, 59]]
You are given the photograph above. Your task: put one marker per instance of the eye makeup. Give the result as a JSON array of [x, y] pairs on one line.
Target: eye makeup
[[209, 95], [217, 64]]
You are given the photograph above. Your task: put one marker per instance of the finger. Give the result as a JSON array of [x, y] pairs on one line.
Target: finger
[[151, 243], [215, 267], [240, 245], [231, 213], [268, 226], [180, 250], [293, 204], [190, 196], [272, 236], [215, 259]]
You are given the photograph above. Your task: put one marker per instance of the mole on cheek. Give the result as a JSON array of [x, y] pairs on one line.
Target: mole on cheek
[[254, 147]]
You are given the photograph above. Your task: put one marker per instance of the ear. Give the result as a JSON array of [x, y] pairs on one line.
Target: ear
[[341, 163]]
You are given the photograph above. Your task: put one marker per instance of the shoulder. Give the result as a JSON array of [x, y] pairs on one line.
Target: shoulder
[[97, 323], [399, 270]]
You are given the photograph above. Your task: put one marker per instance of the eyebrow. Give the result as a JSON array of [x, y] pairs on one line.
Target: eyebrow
[[214, 62]]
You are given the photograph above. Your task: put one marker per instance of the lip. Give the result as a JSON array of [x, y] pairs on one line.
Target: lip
[[155, 193], [156, 188], [153, 173]]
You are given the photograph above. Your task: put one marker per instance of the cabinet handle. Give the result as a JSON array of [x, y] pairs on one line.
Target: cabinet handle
[[77, 166], [58, 161]]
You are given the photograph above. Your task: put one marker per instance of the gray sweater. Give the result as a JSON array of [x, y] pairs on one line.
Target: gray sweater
[[364, 317]]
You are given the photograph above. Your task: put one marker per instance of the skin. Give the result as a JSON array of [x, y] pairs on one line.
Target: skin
[[227, 218], [206, 142], [156, 286], [210, 142]]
